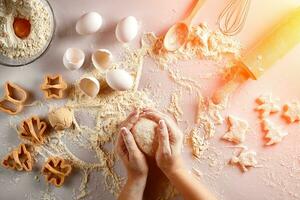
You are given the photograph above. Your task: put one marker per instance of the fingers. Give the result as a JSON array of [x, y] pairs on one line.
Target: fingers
[[157, 116], [131, 120], [129, 141], [163, 136], [120, 146], [154, 115]]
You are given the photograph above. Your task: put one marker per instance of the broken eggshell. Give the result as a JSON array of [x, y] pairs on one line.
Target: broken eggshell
[[119, 80], [73, 58], [127, 29], [90, 86], [101, 59], [89, 23]]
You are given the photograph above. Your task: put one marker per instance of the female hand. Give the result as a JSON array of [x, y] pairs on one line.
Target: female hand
[[170, 141], [132, 157]]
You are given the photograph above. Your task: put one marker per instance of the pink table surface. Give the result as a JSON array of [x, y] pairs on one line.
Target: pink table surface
[[281, 162]]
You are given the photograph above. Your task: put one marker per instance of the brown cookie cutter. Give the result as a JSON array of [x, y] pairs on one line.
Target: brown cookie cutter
[[18, 159], [54, 86], [33, 129], [14, 98], [56, 170]]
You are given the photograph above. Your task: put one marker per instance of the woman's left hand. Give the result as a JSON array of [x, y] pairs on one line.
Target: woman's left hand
[[132, 157]]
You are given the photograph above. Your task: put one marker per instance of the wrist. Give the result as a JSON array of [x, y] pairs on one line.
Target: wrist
[[176, 169], [137, 181], [177, 173]]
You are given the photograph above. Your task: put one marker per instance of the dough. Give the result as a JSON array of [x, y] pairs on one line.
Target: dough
[[245, 159], [144, 134], [274, 134], [291, 112], [61, 118], [237, 130], [267, 105]]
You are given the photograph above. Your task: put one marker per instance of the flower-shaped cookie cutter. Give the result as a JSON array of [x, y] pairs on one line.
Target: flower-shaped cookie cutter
[[56, 170], [54, 86], [14, 98], [18, 159], [33, 129]]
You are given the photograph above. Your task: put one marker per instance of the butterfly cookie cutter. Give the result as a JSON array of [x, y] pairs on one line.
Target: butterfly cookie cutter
[[56, 170]]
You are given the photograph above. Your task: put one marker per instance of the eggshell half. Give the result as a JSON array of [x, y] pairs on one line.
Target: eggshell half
[[89, 86], [101, 59], [73, 58]]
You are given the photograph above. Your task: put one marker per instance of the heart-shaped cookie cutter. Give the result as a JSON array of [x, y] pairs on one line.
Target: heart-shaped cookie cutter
[[14, 98]]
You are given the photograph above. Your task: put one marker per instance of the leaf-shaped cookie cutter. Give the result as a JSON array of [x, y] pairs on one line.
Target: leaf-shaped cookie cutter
[[54, 86], [33, 129], [19, 159], [56, 170]]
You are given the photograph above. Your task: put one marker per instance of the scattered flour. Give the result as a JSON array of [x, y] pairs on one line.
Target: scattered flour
[[201, 44], [198, 142], [174, 107]]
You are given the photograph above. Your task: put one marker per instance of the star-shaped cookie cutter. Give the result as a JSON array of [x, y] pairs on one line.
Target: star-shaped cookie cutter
[[54, 86]]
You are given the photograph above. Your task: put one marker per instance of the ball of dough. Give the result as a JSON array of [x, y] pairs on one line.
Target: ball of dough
[[61, 118], [144, 134]]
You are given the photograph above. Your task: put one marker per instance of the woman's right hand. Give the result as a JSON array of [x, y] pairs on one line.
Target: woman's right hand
[[170, 140]]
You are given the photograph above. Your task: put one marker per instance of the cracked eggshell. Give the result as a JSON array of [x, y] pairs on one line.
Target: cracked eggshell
[[73, 58], [119, 80], [127, 29], [102, 59], [89, 23], [90, 86]]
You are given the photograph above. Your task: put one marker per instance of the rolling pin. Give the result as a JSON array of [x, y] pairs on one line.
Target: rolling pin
[[274, 46]]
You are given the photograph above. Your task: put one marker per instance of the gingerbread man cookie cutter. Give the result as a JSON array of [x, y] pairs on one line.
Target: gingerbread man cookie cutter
[[18, 159]]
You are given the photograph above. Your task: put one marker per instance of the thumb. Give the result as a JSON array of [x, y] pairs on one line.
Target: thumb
[[163, 137]]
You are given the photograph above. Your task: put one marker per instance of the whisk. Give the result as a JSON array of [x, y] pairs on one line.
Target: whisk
[[232, 19]]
